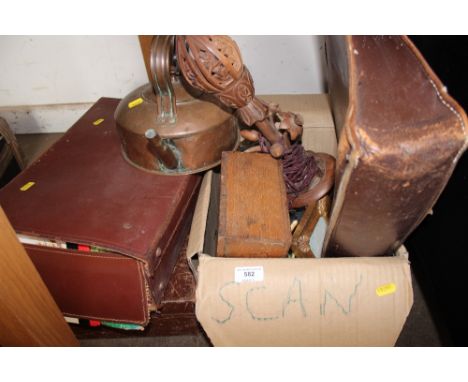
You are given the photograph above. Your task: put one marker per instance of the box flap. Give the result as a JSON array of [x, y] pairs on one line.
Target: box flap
[[303, 302], [314, 108], [197, 230]]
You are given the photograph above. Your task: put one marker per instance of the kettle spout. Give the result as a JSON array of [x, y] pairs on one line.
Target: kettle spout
[[161, 150]]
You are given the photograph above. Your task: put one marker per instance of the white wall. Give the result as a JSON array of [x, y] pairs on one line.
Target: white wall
[[38, 70], [47, 82], [284, 64]]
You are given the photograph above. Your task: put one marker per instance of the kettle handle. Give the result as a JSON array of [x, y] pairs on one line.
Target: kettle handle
[[160, 64]]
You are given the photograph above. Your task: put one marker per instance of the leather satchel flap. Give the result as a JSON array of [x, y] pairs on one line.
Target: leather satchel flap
[[400, 136], [99, 286]]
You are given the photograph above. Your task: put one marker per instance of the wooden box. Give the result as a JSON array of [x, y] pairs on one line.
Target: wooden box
[[253, 215]]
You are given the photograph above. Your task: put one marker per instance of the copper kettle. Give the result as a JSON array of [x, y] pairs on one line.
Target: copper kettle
[[164, 129]]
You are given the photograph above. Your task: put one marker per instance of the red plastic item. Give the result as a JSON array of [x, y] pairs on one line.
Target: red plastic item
[[94, 323]]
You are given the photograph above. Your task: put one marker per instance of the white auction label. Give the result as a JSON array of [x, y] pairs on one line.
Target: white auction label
[[243, 274]]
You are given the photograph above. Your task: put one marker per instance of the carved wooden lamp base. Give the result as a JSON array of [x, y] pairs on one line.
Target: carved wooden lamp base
[[213, 65]]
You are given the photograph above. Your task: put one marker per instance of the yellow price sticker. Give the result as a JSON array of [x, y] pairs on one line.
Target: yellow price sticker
[[98, 121], [27, 186], [135, 102], [385, 290]]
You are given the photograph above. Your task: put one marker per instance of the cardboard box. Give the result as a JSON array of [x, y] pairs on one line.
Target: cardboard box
[[319, 130], [296, 302]]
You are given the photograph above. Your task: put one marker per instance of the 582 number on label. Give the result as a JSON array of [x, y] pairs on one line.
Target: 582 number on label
[[244, 274]]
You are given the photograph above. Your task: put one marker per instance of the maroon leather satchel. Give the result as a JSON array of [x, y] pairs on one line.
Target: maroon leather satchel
[[124, 227], [400, 137]]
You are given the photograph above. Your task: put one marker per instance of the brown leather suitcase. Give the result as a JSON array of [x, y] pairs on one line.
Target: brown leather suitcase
[[253, 211], [82, 192], [400, 137]]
